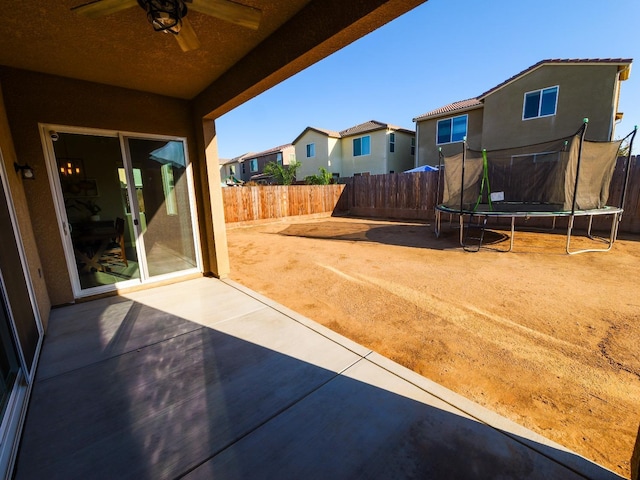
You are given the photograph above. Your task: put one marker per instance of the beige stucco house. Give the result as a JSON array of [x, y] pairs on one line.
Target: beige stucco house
[[370, 148], [108, 143], [544, 102]]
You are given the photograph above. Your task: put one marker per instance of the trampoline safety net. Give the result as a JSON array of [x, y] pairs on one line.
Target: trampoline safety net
[[539, 177]]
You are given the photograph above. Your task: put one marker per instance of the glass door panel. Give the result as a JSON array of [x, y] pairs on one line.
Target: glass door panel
[[9, 363], [98, 214], [159, 171]]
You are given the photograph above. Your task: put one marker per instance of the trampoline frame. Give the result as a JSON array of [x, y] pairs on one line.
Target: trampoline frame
[[608, 210], [616, 212]]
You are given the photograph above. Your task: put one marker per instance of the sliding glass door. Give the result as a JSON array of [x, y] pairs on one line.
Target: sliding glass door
[[164, 209], [126, 202]]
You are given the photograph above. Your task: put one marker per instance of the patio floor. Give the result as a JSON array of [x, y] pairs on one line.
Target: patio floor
[[207, 379]]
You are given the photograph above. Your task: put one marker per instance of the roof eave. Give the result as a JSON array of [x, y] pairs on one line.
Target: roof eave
[[447, 114]]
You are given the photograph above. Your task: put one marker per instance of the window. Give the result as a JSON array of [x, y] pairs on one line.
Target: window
[[451, 130], [168, 187], [362, 146], [232, 169], [244, 169], [413, 145], [311, 150], [540, 103], [279, 158], [392, 142], [253, 165]]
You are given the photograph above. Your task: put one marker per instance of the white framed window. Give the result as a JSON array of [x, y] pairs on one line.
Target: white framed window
[[413, 145], [540, 103], [253, 165], [362, 146], [451, 130], [232, 169], [392, 142], [311, 150], [279, 158]]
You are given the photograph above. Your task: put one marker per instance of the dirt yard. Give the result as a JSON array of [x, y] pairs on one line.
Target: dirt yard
[[547, 339]]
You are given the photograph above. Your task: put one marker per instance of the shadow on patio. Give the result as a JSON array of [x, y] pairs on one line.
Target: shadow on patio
[[205, 379]]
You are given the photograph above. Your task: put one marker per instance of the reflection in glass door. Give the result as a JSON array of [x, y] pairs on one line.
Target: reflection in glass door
[[127, 204], [9, 363], [88, 167], [162, 200]]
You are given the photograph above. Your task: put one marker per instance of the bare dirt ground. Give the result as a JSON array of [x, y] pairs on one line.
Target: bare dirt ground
[[546, 339]]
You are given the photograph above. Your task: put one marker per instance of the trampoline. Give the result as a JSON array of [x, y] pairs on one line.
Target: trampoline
[[569, 177]]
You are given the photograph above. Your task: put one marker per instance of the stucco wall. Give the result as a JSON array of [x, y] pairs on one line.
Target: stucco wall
[[584, 91], [374, 163], [310, 166], [401, 159], [427, 139], [33, 98], [23, 217]]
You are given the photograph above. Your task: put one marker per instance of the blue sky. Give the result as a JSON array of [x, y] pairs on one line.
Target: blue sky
[[440, 52]]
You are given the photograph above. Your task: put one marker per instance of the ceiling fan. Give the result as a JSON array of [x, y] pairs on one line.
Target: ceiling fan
[[170, 16]]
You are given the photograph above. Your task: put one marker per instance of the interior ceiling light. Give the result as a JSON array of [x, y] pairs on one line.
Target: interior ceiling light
[[171, 15]]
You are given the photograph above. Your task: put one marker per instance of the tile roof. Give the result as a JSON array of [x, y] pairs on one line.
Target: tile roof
[[452, 107], [477, 102], [371, 126], [615, 61], [270, 151]]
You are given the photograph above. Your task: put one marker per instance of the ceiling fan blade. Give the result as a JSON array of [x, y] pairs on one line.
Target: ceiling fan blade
[[187, 38], [230, 11], [99, 8]]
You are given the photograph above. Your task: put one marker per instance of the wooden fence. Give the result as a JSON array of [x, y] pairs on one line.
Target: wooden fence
[[269, 202], [397, 195]]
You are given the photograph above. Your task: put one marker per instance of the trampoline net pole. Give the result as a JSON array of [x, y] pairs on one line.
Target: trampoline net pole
[[575, 188], [628, 167]]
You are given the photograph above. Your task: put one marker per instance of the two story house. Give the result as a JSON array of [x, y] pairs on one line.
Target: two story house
[[251, 165], [544, 102], [368, 148]]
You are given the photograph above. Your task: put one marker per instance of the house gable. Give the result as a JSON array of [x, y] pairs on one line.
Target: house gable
[[583, 88]]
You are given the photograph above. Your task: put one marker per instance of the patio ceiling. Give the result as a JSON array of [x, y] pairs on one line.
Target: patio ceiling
[[232, 65]]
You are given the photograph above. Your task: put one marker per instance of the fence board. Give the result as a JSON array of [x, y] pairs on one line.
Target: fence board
[[396, 195]]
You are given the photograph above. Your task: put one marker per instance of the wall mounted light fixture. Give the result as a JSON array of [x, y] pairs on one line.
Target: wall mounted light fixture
[[26, 172]]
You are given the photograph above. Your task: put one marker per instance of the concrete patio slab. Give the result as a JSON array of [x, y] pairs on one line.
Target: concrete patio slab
[[206, 379]]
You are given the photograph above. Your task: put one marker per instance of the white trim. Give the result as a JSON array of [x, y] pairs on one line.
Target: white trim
[[466, 129], [541, 90], [12, 424], [122, 137], [353, 152], [16, 408], [29, 373]]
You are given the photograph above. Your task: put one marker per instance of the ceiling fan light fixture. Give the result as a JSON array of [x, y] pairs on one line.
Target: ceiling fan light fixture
[[165, 15]]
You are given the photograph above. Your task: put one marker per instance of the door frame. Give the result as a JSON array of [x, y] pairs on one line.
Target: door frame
[[46, 133], [14, 416]]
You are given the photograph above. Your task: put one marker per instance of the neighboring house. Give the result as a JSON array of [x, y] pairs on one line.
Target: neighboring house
[[545, 102], [251, 165], [123, 120], [229, 168], [369, 148]]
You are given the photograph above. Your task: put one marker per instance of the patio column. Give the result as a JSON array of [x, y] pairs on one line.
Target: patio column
[[213, 229]]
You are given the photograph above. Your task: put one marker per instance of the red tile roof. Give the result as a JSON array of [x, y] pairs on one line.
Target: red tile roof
[[371, 126], [452, 107]]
